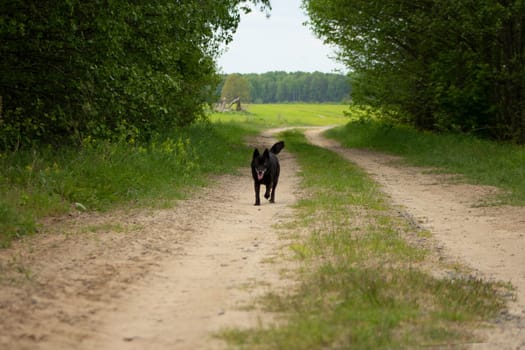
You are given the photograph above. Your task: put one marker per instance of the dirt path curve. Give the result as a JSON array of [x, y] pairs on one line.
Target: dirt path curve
[[488, 239], [155, 279]]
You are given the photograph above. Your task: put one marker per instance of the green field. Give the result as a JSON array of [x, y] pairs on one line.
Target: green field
[[276, 115]]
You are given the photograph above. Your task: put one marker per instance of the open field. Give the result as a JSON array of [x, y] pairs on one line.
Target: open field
[[275, 115]]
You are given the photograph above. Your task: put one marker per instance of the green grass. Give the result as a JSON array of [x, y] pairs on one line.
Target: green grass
[[275, 115], [479, 161], [361, 285], [103, 175]]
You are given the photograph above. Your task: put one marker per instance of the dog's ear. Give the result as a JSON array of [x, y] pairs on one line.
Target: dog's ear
[[256, 153], [266, 154], [277, 147]]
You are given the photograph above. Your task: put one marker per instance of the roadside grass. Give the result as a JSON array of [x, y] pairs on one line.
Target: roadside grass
[[479, 161], [102, 175], [263, 116], [360, 284]]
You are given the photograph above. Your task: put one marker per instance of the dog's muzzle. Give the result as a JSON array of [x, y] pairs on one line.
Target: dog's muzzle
[[260, 174]]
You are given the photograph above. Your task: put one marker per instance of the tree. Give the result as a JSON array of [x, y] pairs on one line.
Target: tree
[[235, 86], [107, 69], [436, 64], [275, 87]]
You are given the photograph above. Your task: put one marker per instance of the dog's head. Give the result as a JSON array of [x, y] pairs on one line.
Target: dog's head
[[260, 163]]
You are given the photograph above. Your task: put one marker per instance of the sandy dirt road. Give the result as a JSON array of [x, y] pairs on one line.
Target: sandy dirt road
[[170, 278]]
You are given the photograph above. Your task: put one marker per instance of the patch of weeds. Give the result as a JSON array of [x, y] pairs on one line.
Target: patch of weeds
[[15, 272], [110, 227], [13, 224]]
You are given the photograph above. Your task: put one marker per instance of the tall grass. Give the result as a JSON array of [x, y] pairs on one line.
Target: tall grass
[[361, 285], [102, 175], [480, 161]]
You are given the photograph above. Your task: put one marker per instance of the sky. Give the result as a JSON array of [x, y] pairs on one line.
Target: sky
[[279, 43]]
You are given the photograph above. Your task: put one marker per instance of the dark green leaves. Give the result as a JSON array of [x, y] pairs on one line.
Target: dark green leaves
[[73, 69], [437, 64]]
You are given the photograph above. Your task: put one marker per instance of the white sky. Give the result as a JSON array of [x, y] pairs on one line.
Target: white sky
[[279, 43]]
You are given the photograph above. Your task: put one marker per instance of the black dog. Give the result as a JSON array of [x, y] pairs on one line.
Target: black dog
[[265, 171]]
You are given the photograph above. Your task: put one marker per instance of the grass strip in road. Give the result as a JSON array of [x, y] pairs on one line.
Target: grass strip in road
[[361, 285], [479, 161]]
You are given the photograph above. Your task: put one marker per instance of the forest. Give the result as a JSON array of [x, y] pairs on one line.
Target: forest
[[283, 87]]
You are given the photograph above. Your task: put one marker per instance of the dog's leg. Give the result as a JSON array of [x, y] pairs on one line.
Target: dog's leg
[[272, 198], [267, 193], [257, 190]]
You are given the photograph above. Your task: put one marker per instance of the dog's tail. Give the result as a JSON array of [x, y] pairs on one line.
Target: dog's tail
[[277, 147]]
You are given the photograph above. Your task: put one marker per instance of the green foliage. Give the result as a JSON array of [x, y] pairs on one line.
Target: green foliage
[[438, 65], [480, 161], [102, 175], [283, 87], [108, 69]]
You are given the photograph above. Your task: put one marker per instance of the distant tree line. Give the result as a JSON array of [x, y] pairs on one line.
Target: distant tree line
[[75, 69], [283, 87], [433, 64]]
